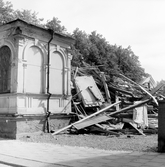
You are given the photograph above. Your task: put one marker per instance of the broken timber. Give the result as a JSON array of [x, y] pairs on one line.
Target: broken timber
[[90, 116]]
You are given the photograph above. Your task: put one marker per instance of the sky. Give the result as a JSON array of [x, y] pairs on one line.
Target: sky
[[139, 24]]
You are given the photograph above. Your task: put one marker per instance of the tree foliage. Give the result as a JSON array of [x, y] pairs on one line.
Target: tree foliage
[[55, 25], [28, 16], [6, 12]]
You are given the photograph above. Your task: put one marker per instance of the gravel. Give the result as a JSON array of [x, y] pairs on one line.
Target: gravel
[[140, 143]]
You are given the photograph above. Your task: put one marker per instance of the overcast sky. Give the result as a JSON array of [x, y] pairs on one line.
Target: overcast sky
[[136, 23]]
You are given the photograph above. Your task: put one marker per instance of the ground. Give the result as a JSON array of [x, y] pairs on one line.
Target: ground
[[146, 143]]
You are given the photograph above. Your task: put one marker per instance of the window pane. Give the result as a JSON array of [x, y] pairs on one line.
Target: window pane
[[5, 56]]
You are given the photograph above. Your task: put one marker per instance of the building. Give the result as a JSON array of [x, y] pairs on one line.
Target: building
[[148, 82], [35, 70]]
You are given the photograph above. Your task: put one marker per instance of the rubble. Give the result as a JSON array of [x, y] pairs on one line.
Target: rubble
[[111, 108]]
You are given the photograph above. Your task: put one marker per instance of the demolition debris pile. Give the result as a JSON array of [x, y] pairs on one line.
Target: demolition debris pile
[[107, 108]]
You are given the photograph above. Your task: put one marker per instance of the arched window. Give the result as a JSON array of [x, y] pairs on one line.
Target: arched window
[[5, 69], [56, 73], [34, 70]]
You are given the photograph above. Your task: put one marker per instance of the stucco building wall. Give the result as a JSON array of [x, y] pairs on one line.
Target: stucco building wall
[[29, 92]]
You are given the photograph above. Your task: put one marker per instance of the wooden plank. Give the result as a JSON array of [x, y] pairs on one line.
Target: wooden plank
[[92, 121]]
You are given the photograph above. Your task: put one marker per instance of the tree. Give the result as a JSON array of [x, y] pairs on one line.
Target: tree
[[128, 64], [28, 16], [102, 53], [55, 25], [111, 59], [81, 49], [6, 12]]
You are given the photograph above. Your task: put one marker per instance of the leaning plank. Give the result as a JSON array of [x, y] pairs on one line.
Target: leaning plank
[[131, 123], [149, 94], [137, 128], [90, 116]]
